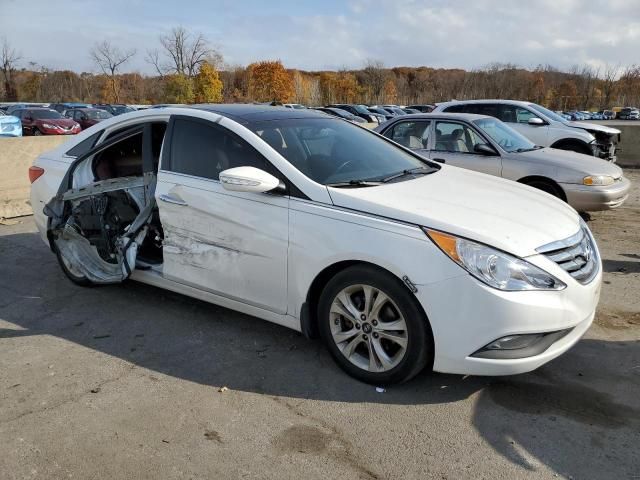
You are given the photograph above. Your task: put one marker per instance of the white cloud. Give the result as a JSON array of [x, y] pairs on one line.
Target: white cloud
[[464, 34]]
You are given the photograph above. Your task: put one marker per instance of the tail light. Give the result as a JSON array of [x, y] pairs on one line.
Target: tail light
[[35, 173]]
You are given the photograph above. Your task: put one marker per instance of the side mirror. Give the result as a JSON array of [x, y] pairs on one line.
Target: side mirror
[[248, 179], [484, 149], [535, 121]]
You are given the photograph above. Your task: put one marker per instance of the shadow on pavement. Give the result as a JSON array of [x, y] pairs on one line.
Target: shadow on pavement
[[620, 266], [558, 416]]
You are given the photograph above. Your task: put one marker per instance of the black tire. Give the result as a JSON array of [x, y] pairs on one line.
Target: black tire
[[547, 187], [420, 348], [77, 279], [37, 132]]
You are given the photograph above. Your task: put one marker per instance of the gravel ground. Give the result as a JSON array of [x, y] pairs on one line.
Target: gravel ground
[[134, 382]]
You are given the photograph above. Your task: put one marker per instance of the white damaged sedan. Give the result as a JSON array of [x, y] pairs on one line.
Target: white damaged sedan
[[398, 263]]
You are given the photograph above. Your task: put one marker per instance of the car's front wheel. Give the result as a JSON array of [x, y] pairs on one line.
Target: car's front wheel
[[374, 327]]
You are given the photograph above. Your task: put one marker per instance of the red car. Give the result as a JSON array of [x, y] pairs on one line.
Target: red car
[[44, 121], [88, 117]]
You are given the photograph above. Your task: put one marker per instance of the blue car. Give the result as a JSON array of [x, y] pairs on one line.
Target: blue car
[[10, 126]]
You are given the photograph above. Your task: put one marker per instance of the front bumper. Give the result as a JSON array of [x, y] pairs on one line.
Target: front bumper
[[465, 315], [592, 198]]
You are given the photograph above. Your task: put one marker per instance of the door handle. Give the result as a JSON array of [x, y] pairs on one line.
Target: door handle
[[439, 160], [175, 201]]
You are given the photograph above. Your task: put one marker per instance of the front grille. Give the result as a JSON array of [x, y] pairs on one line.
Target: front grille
[[577, 255]]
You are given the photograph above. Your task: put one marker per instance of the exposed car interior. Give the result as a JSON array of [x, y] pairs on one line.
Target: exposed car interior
[[111, 206]]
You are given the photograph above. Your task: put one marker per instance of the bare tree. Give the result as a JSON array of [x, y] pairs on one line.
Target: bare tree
[[375, 76], [110, 58], [182, 52], [609, 77], [9, 58]]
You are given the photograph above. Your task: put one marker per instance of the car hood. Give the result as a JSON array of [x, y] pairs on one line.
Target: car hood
[[62, 122], [501, 213], [594, 127], [568, 161]]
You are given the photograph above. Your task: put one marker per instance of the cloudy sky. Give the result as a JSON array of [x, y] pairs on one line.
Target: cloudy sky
[[332, 34]]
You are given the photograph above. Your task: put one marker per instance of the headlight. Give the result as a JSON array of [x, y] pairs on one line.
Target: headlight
[[493, 267], [48, 125], [598, 180]]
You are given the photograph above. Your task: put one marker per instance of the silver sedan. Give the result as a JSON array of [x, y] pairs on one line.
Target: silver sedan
[[485, 144]]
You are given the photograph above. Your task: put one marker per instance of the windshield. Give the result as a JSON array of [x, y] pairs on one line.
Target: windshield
[[360, 109], [333, 150], [46, 114], [121, 110], [548, 113], [98, 114], [503, 135]]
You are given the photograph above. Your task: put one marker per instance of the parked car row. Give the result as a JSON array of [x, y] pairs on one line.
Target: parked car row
[[397, 261], [543, 126], [629, 113], [36, 120]]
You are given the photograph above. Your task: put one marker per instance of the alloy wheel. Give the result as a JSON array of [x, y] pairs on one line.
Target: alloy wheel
[[368, 328]]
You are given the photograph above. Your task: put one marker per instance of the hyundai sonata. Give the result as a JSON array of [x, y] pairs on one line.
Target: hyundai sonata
[[398, 263]]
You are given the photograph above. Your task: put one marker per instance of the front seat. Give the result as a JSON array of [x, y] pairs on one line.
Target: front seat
[[457, 143]]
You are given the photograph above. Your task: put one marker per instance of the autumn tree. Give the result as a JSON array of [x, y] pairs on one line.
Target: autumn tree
[[207, 86], [110, 58], [568, 95], [178, 88], [269, 82], [390, 92]]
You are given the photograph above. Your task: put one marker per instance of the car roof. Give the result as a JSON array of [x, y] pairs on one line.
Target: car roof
[[247, 112], [468, 117], [487, 100]]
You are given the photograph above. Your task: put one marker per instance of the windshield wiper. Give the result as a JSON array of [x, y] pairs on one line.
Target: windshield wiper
[[354, 184], [535, 147], [411, 171]]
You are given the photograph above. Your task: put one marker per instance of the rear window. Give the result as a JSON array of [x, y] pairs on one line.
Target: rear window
[[46, 114]]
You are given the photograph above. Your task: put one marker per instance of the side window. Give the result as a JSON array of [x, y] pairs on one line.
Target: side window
[[76, 115], [455, 109], [84, 146], [513, 114], [523, 115], [456, 137], [410, 134], [489, 109], [204, 150]]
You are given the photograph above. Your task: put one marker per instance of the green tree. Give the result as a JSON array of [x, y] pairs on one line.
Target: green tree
[[207, 85], [178, 89]]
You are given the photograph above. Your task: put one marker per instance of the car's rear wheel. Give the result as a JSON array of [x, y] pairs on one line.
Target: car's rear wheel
[[72, 272], [374, 327]]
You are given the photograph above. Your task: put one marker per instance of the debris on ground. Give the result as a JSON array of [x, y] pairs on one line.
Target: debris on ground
[[223, 389]]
